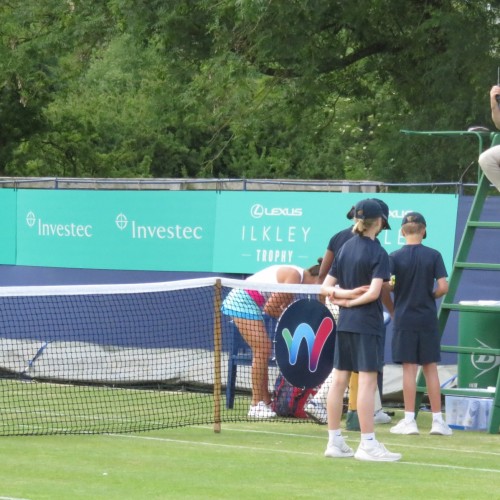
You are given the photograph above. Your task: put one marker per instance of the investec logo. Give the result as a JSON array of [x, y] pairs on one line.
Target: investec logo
[[46, 228], [174, 232]]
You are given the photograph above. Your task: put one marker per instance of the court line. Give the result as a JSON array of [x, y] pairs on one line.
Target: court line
[[217, 445], [347, 438], [13, 498], [288, 452]]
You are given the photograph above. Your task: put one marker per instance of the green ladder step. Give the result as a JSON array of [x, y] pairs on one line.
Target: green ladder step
[[484, 225], [459, 391], [448, 303], [477, 265], [470, 307]]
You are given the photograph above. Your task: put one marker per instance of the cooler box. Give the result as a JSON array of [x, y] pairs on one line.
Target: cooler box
[[469, 414]]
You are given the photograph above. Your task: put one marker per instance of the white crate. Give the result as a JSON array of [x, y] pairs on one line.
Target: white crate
[[466, 413]]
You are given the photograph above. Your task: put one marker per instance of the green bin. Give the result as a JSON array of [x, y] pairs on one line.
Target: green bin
[[478, 329]]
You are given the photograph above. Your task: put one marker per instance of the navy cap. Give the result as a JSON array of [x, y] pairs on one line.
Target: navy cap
[[385, 213], [368, 209], [350, 214], [416, 218]]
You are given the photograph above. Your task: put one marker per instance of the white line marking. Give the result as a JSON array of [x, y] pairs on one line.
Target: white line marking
[[13, 498], [289, 452], [457, 467], [218, 445], [347, 438]]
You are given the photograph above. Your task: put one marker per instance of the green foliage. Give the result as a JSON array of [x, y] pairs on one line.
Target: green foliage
[[194, 88]]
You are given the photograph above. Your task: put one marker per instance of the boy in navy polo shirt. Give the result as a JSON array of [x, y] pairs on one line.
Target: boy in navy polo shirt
[[420, 279]]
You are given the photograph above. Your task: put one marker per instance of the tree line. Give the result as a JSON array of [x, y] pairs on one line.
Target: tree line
[[296, 89]]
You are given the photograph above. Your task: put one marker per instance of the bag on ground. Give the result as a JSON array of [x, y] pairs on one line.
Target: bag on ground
[[289, 401]]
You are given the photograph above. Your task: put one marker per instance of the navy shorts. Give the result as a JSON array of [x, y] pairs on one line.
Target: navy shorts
[[417, 347], [357, 352]]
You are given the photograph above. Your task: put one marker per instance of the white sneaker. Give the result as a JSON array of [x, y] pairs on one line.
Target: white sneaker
[[261, 411], [440, 428], [338, 449], [316, 411], [373, 451], [381, 417], [404, 427]]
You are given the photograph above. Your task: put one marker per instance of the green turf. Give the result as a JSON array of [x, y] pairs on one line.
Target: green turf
[[38, 408], [247, 460]]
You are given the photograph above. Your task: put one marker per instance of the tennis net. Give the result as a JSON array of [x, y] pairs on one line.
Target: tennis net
[[121, 358]]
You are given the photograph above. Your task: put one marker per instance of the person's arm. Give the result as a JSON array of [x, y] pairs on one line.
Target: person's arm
[[387, 298], [495, 106], [279, 301], [328, 286], [333, 292], [371, 294], [325, 266], [441, 288]]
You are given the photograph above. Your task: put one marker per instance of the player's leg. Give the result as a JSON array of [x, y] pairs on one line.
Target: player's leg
[[337, 447], [369, 448], [336, 397], [367, 385], [439, 426], [409, 386], [433, 386], [255, 335]]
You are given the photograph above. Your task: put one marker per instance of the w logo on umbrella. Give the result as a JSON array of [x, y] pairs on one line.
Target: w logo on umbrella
[[304, 343], [315, 342]]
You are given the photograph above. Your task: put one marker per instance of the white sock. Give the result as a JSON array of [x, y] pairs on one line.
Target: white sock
[[369, 436], [334, 435], [409, 416], [437, 417]]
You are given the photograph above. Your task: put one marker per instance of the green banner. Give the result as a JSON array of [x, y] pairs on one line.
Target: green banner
[[203, 231], [8, 226], [159, 230], [257, 229]]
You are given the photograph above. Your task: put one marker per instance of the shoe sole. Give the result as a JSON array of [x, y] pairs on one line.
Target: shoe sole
[[364, 457], [439, 434], [405, 433], [343, 455]]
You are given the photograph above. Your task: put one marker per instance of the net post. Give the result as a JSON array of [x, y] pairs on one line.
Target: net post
[[217, 355]]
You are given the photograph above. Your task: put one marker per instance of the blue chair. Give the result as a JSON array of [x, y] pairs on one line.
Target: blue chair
[[241, 354]]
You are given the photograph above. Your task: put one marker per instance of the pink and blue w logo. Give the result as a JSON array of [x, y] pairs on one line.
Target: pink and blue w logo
[[315, 342], [305, 342]]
